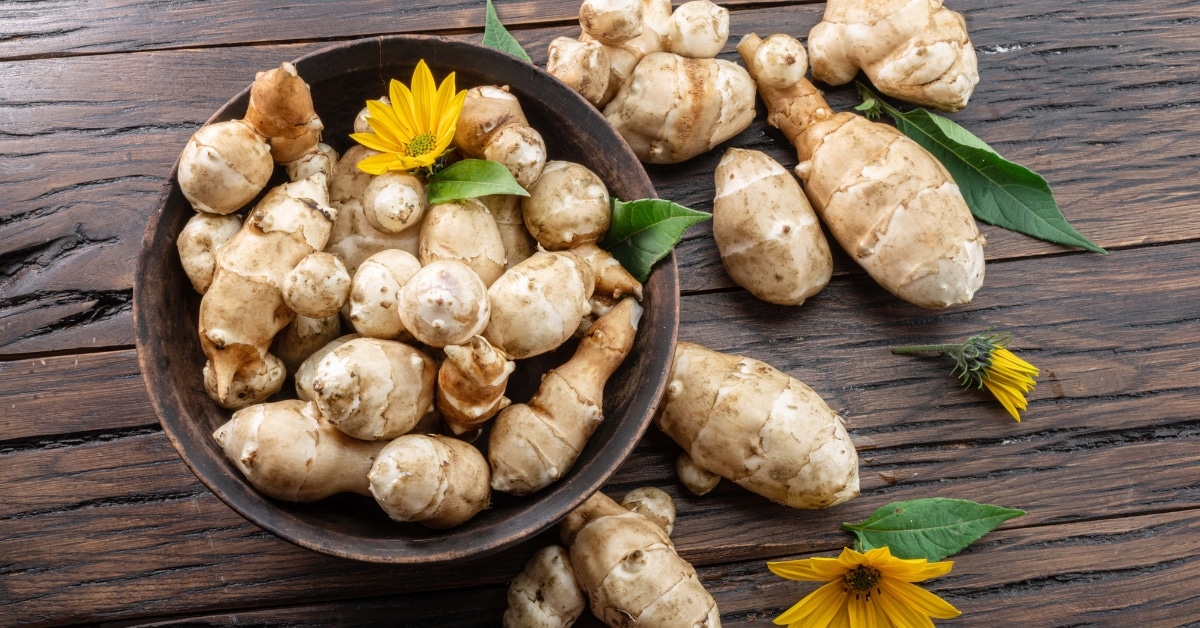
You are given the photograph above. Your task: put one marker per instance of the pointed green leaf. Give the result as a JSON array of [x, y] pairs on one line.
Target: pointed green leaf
[[498, 37], [999, 192], [932, 528], [644, 231], [471, 178]]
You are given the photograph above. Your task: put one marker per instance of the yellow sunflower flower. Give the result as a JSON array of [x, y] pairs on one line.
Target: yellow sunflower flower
[[416, 128], [983, 361], [865, 590]]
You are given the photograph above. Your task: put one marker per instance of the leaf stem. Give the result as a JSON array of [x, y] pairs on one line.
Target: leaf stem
[[926, 349]]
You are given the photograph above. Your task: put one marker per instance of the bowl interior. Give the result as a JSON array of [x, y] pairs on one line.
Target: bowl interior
[[166, 308]]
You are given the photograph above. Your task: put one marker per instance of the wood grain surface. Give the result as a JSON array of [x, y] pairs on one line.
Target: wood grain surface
[[102, 522]]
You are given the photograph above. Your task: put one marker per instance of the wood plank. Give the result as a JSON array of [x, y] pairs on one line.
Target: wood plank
[[59, 27], [1124, 571], [66, 259], [65, 394]]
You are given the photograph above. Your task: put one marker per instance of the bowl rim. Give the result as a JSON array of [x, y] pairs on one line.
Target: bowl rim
[[240, 496]]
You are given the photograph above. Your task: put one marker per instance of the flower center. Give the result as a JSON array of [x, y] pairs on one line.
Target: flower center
[[861, 579], [422, 144]]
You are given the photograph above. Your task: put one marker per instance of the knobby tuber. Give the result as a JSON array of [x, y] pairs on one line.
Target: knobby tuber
[[374, 389], [281, 110], [492, 126], [198, 243], [538, 304], [545, 594], [444, 303], [436, 481], [224, 166], [673, 108], [890, 204], [534, 444], [375, 293], [630, 571], [471, 384], [765, 431], [653, 504], [914, 50], [463, 231]]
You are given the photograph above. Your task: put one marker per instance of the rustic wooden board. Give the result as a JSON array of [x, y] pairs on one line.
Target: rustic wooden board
[[72, 394], [66, 259], [1110, 433], [54, 27]]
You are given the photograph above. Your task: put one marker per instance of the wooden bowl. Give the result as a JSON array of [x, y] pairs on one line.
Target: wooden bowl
[[166, 308]]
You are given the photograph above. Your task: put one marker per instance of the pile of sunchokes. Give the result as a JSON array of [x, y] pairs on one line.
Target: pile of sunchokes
[[443, 300]]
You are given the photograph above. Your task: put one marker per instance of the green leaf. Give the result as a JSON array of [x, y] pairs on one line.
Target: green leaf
[[644, 231], [498, 37], [932, 528], [998, 191], [470, 178]]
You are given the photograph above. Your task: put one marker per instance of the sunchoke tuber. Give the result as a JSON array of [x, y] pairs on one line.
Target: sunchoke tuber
[[914, 50], [765, 431], [374, 389], [887, 201], [630, 571], [492, 126], [288, 451], [471, 383], [436, 481], [224, 166], [769, 239], [537, 304], [534, 444], [545, 594], [444, 303]]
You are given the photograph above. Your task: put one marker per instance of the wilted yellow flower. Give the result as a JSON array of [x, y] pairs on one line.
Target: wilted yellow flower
[[983, 361], [415, 128], [865, 590]]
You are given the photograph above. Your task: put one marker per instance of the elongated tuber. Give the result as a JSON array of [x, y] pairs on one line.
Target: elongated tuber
[[374, 389], [765, 431], [436, 481], [471, 383], [768, 235], [534, 444], [914, 50], [545, 594], [289, 452], [630, 571], [244, 308], [673, 108], [519, 245], [887, 201]]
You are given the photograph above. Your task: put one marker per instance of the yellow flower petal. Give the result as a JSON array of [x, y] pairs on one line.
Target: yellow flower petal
[[403, 106], [914, 569], [384, 121], [818, 569], [817, 609], [424, 91], [918, 599], [376, 142], [378, 164]]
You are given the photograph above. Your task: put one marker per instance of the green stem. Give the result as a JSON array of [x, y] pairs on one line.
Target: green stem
[[927, 349]]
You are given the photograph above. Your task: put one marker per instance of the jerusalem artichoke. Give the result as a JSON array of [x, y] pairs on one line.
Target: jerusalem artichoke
[[534, 444], [754, 425], [887, 201], [281, 110], [537, 304], [914, 50], [436, 481], [673, 108], [471, 383], [224, 166], [769, 239], [374, 389], [630, 571], [545, 594], [286, 450], [492, 126], [444, 303]]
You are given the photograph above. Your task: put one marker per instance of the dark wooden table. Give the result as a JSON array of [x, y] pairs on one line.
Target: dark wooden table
[[101, 522]]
